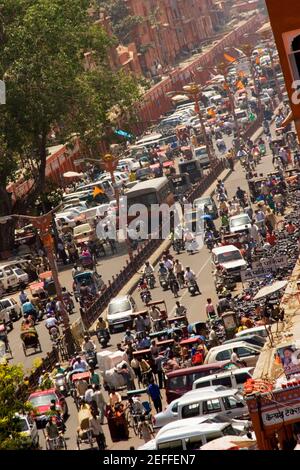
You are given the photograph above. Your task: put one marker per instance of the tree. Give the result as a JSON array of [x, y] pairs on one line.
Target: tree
[[123, 21], [43, 49], [11, 381]]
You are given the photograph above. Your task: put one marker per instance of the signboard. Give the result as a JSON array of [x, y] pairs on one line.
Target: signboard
[[280, 414], [289, 356]]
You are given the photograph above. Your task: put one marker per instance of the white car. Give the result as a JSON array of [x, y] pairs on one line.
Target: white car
[[10, 306], [119, 313], [246, 352], [239, 223], [230, 258], [21, 275], [65, 220], [28, 428]]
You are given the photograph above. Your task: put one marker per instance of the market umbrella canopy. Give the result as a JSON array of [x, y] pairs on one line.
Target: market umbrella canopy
[[268, 290], [72, 174]]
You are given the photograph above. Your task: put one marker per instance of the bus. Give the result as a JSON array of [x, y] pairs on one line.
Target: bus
[[153, 191]]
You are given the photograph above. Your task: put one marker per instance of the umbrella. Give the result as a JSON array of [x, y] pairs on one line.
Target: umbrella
[[206, 217], [72, 174], [268, 290]]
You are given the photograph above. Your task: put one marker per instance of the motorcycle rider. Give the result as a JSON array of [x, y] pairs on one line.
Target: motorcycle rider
[[88, 346], [173, 283], [51, 322], [148, 270], [128, 338], [162, 270], [178, 271], [80, 364], [180, 309], [190, 276]]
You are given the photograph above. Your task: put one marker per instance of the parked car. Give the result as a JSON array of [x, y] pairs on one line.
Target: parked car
[[202, 155], [250, 338], [234, 378], [189, 434], [119, 313], [246, 353], [21, 275], [28, 428], [83, 233], [41, 402], [203, 401], [257, 330], [10, 306]]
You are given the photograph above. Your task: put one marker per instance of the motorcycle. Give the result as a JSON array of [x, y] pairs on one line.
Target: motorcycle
[[103, 337], [91, 358], [177, 245], [209, 243], [146, 296], [192, 288], [174, 286], [180, 279], [164, 283], [150, 279], [61, 384]]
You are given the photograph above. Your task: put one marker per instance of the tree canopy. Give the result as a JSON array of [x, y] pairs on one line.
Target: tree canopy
[[122, 19], [11, 379], [45, 46]]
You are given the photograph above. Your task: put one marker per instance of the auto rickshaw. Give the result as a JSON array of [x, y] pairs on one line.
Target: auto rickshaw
[[254, 187], [91, 279], [48, 281], [30, 340]]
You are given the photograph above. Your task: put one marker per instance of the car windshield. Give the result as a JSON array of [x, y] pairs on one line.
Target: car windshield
[[18, 271], [204, 202], [42, 400], [119, 307], [230, 256], [22, 424], [240, 221]]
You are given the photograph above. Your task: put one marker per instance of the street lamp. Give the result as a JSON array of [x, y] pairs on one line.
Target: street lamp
[[193, 90], [43, 223]]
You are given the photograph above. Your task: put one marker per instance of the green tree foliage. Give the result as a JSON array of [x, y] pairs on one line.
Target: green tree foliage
[[11, 379], [43, 59], [122, 19]]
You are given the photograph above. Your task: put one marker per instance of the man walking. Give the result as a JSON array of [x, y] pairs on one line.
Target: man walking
[[154, 392]]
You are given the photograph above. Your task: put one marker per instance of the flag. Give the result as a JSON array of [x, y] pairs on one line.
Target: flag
[[97, 191], [241, 74], [211, 112], [257, 60], [229, 58], [252, 117]]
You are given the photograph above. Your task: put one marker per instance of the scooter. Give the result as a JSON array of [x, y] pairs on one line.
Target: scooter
[[164, 281], [150, 279], [61, 384], [146, 296], [91, 358], [103, 337], [192, 288], [174, 286]]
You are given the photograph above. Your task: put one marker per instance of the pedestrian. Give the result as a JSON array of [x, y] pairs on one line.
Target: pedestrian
[[159, 370], [94, 377], [100, 402], [88, 396], [210, 309], [96, 428], [154, 392], [145, 429]]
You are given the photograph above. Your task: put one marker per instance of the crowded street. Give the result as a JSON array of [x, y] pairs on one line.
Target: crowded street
[[149, 227]]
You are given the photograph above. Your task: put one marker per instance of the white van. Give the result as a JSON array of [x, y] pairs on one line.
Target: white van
[[8, 278], [234, 378], [188, 435], [204, 401], [202, 156], [256, 330]]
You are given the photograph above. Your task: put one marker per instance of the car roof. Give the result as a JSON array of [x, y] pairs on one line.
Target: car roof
[[224, 249], [229, 345], [51, 391], [120, 298], [252, 331], [188, 427], [195, 369], [239, 216], [226, 373], [206, 393]]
